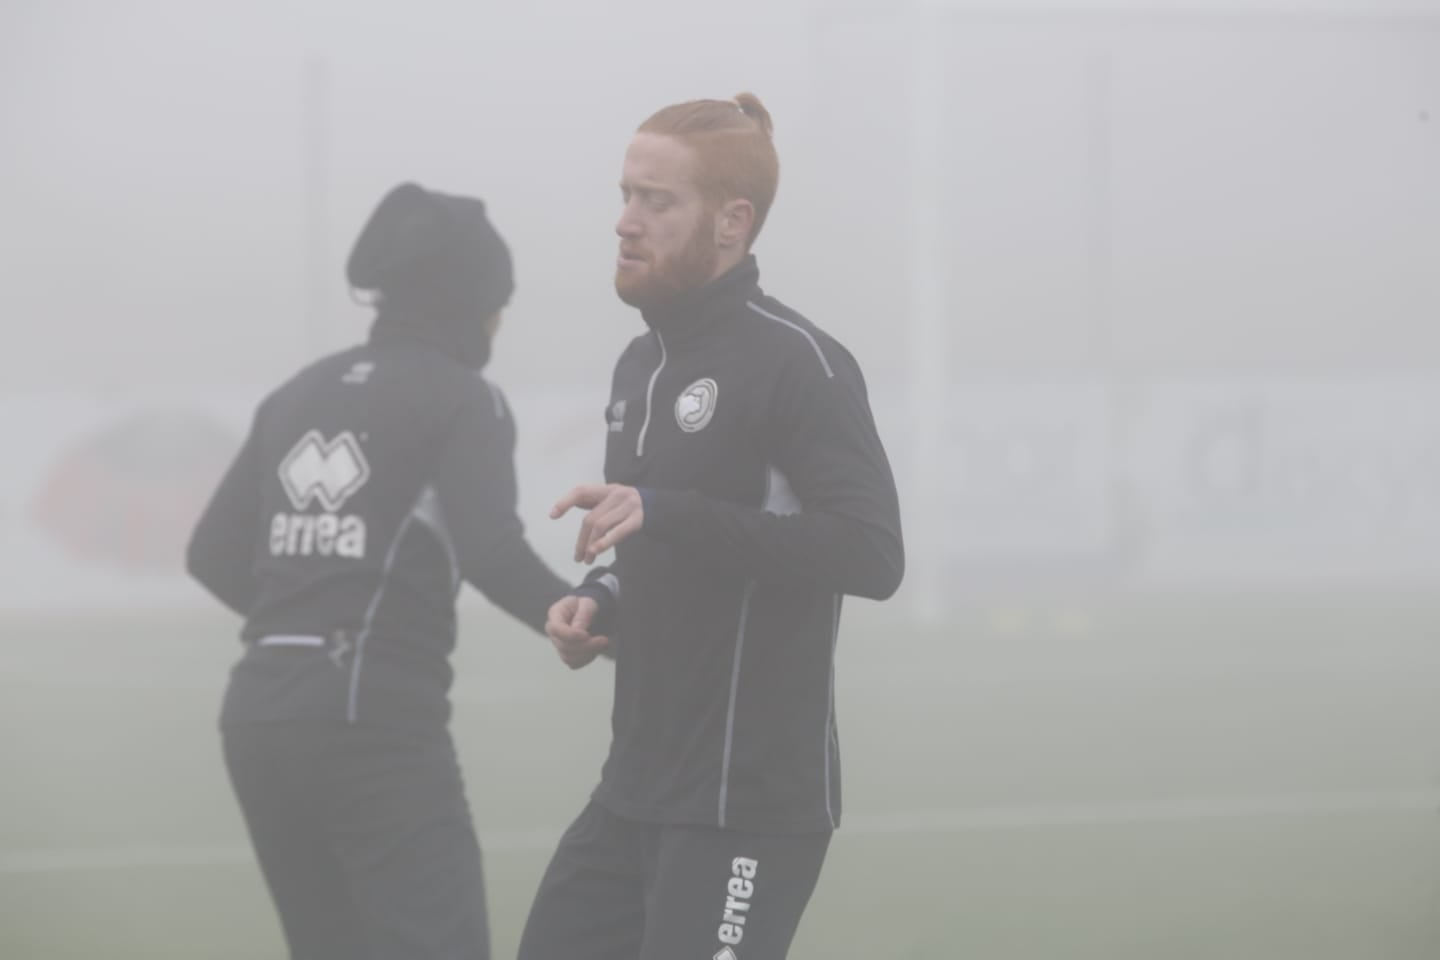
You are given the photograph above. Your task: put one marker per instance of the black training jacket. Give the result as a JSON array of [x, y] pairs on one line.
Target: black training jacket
[[370, 486], [768, 497]]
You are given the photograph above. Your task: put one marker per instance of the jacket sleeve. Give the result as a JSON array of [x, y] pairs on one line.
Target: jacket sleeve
[[476, 490], [221, 552], [603, 586], [820, 434]]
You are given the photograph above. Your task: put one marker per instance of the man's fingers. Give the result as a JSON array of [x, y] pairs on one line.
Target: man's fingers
[[573, 633], [575, 641], [576, 659], [564, 634], [561, 612], [614, 520], [584, 614], [596, 522], [581, 654], [585, 496], [614, 512], [582, 538], [596, 525], [604, 515], [585, 534], [616, 534], [589, 645], [565, 504], [560, 626]]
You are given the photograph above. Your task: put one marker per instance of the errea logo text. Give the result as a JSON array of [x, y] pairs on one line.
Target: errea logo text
[[327, 472], [741, 890]]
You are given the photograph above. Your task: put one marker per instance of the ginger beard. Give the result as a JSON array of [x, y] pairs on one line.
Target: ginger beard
[[642, 280]]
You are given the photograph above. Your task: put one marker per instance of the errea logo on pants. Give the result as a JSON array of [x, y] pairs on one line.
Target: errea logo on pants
[[741, 889], [329, 472]]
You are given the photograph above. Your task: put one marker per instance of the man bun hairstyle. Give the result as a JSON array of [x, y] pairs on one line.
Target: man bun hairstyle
[[751, 106]]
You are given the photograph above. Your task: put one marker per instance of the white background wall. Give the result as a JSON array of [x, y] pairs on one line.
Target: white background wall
[[1176, 285]]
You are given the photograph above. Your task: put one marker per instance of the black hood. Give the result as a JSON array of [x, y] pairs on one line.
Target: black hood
[[440, 270]]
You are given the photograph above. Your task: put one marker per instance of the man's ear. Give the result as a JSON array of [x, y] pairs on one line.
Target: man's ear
[[734, 223]]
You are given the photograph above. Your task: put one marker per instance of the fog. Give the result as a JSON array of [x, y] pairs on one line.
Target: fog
[[1146, 296]]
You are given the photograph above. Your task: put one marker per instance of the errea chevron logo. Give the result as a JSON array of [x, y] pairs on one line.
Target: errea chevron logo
[[330, 471]]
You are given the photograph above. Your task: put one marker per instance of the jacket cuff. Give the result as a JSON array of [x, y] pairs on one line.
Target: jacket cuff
[[603, 587]]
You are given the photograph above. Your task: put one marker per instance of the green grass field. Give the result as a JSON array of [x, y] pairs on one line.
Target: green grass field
[[1195, 779]]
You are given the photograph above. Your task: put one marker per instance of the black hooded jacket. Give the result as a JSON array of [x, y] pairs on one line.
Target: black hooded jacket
[[373, 483]]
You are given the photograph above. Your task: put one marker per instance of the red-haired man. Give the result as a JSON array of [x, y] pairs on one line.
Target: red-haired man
[[747, 492]]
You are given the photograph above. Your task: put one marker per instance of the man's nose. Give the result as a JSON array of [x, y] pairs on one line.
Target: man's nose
[[628, 225]]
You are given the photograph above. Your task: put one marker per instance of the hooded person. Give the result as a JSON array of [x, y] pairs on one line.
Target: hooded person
[[372, 485], [440, 272]]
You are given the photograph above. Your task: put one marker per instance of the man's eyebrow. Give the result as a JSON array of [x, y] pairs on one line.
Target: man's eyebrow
[[648, 189]]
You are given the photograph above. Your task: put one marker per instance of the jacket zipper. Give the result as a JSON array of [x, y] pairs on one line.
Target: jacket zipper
[[649, 398]]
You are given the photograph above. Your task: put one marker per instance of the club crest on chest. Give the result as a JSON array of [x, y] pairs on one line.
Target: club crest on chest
[[695, 406]]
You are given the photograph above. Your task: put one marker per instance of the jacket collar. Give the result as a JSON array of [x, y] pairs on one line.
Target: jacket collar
[[692, 312]]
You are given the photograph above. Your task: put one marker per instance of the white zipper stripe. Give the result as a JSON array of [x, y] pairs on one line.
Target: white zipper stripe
[[734, 691], [430, 515], [650, 397], [352, 705], [798, 329], [830, 736]]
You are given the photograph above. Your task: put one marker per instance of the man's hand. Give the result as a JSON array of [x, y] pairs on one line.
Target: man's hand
[[568, 627], [615, 512]]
